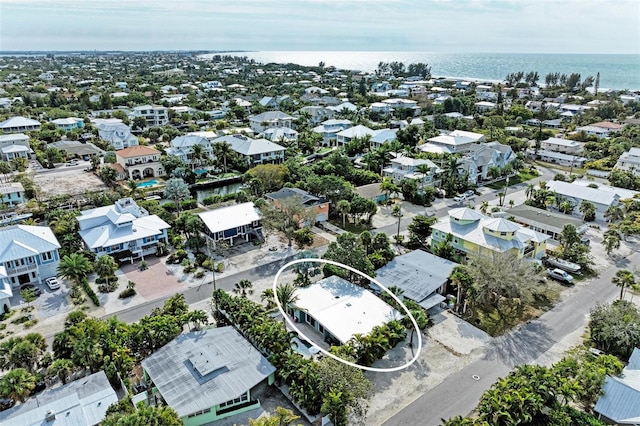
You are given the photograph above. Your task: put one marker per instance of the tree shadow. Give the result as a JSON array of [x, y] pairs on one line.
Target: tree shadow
[[521, 346]]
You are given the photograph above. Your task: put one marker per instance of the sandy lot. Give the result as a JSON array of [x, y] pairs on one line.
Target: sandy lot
[[74, 181]]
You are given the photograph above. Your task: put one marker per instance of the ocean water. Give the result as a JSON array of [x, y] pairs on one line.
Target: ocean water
[[616, 71]]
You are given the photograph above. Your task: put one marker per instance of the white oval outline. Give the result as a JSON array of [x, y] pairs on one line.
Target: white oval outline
[[329, 354]]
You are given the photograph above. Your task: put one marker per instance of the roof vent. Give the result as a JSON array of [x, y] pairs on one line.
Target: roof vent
[[51, 416]]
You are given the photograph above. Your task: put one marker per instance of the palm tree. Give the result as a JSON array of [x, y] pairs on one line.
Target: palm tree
[[243, 288], [484, 206], [197, 154], [223, 149], [611, 240], [614, 214], [344, 207], [133, 188], [588, 211], [105, 267], [74, 267], [267, 294], [61, 368], [425, 171], [565, 207], [623, 279], [286, 294], [17, 384]]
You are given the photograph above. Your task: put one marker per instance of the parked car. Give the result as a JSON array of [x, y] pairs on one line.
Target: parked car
[[560, 275], [468, 194], [36, 290], [52, 283]]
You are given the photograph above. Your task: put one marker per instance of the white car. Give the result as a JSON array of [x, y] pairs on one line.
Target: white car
[[52, 283]]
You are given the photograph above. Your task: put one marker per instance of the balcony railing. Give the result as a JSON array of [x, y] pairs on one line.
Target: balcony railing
[[22, 269]]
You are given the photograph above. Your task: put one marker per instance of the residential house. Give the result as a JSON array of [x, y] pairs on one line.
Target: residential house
[[122, 230], [567, 160], [139, 162], [380, 108], [29, 254], [474, 234], [114, 131], [403, 104], [182, 147], [381, 137], [19, 124], [239, 222], [318, 114], [254, 151], [482, 157], [403, 167], [329, 130], [6, 293], [630, 161], [14, 146], [601, 129], [619, 403], [154, 115], [485, 106], [421, 276], [339, 309], [381, 87], [320, 205], [261, 122], [82, 402], [575, 194], [452, 142], [68, 124], [371, 192], [343, 107], [564, 146], [269, 102], [544, 221], [208, 375], [281, 134], [345, 136], [11, 194]]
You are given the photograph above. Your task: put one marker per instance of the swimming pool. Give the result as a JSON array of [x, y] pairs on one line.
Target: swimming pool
[[147, 183], [200, 171], [304, 348]]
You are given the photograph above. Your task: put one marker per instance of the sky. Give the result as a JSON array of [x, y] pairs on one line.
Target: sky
[[449, 26]]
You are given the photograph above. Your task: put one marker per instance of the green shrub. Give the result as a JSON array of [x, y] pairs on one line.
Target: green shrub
[[189, 204], [169, 206], [30, 323], [76, 296], [179, 256], [108, 288], [220, 267], [199, 274], [90, 293], [200, 259], [207, 264], [212, 199], [128, 292]]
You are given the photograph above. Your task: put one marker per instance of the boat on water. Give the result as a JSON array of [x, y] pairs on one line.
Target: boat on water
[[563, 264]]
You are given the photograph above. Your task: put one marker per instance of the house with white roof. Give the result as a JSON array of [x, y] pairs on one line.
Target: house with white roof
[[339, 309], [239, 222], [557, 157], [403, 167], [380, 108], [183, 146], [381, 137], [485, 106], [123, 229], [208, 375], [261, 122], [329, 129], [481, 157], [14, 146], [254, 151], [452, 142], [318, 114], [619, 403], [564, 146], [114, 131], [601, 197], [154, 115], [345, 136], [421, 276], [281, 134], [29, 254], [19, 124], [474, 234], [11, 194], [6, 293], [82, 402], [138, 162], [630, 161], [68, 124], [343, 107], [601, 129]]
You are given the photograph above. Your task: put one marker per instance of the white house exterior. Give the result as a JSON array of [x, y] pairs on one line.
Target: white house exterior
[[261, 122], [19, 124], [565, 146], [139, 162], [68, 124], [114, 131], [154, 115], [481, 157], [29, 254], [123, 227], [11, 194], [630, 161], [453, 142], [329, 130], [406, 168], [6, 293], [281, 134], [14, 146], [255, 151], [381, 137], [557, 158], [485, 106], [182, 147], [233, 223], [359, 131], [600, 197]]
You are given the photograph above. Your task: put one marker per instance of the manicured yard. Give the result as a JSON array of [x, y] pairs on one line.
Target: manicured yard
[[513, 180]]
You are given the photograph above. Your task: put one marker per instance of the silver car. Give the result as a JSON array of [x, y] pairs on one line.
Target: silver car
[[52, 283]]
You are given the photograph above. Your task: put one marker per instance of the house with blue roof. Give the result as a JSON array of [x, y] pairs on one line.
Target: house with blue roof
[[29, 254], [620, 401]]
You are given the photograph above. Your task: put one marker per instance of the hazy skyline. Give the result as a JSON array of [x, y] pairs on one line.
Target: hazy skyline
[[519, 26]]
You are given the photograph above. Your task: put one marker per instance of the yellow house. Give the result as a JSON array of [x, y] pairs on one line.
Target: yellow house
[[474, 234]]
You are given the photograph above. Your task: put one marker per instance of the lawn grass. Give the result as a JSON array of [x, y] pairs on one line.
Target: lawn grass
[[513, 180]]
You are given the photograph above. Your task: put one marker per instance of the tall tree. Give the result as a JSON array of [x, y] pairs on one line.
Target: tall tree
[[344, 208], [177, 191], [288, 215], [243, 288], [623, 279], [17, 384], [74, 267], [105, 266]]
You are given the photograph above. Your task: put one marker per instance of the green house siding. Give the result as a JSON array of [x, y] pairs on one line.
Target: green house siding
[[243, 404]]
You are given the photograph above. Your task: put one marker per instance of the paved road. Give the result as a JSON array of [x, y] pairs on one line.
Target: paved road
[[459, 393]]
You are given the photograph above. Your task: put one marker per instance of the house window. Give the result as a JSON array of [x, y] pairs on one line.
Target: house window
[[220, 235], [47, 255], [504, 234], [311, 320]]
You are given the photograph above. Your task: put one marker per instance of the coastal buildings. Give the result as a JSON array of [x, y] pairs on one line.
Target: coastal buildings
[[601, 197], [123, 229], [138, 162], [457, 141], [11, 194], [19, 124], [14, 146], [319, 205], [403, 167], [629, 161], [619, 402], [68, 124], [329, 130], [262, 122], [254, 151], [239, 222], [154, 115], [114, 131], [183, 148], [564, 146]]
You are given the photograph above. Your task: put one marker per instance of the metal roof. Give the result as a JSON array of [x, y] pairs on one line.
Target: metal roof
[[201, 369], [18, 241], [230, 217]]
